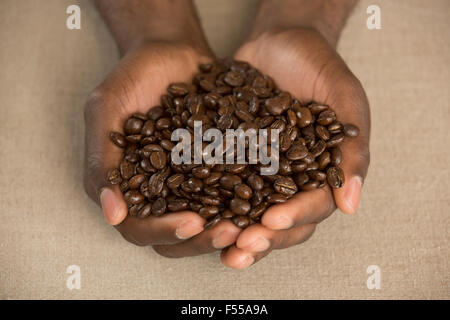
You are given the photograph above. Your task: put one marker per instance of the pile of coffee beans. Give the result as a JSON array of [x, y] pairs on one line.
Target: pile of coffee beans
[[227, 94]]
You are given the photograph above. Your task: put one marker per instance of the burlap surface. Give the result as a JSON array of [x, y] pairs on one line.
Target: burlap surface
[[48, 223]]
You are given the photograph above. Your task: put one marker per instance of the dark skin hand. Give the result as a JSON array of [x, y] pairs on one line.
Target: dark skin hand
[[161, 42], [294, 42]]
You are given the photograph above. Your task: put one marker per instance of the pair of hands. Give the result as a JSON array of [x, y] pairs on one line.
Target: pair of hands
[[301, 61]]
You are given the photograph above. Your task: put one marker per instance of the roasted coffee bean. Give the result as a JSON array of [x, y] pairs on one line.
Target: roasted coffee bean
[[304, 116], [350, 130], [318, 148], [208, 212], [227, 94], [178, 89], [155, 184], [297, 152], [212, 222], [133, 197], [335, 127], [243, 191], [127, 169], [317, 108], [323, 160], [257, 210], [326, 117], [118, 139], [136, 181], [276, 106], [335, 177], [114, 176], [177, 204], [158, 159], [311, 185], [335, 156], [240, 206], [285, 186], [276, 198], [301, 178], [133, 126], [145, 211], [228, 181], [322, 132], [335, 140], [317, 175], [213, 177], [227, 214], [299, 166], [234, 78]]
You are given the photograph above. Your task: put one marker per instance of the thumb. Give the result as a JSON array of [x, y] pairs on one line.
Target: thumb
[[101, 155], [352, 107]]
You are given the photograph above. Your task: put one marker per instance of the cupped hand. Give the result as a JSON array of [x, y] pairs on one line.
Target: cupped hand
[[135, 85], [303, 63]]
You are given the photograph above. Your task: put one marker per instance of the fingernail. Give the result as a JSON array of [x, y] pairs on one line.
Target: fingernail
[[257, 245], [110, 210], [353, 194], [222, 240], [188, 229], [245, 261], [281, 222]]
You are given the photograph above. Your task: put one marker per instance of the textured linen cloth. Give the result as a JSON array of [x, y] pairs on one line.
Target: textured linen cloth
[[48, 223]]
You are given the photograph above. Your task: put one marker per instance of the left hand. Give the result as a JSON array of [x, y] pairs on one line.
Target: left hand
[[303, 63]]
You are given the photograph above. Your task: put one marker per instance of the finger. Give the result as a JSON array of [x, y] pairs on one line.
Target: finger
[[220, 236], [167, 229], [352, 107], [100, 156], [256, 242], [304, 208]]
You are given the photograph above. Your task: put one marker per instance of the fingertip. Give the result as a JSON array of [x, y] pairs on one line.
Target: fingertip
[[236, 258], [276, 221], [348, 198], [114, 208]]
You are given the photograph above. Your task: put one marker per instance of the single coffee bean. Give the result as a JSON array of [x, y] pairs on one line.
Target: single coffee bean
[[114, 176], [208, 212], [301, 178], [318, 148], [133, 126], [135, 181], [212, 222], [158, 159], [159, 207], [351, 130], [317, 108], [258, 210], [133, 197], [335, 140], [323, 160], [335, 177], [296, 152], [118, 139], [285, 186], [276, 198], [177, 204], [326, 117], [322, 132], [178, 89], [317, 175], [155, 184], [228, 181], [145, 211], [127, 169], [243, 191], [311, 185], [241, 221], [336, 156], [240, 206], [234, 78], [304, 116]]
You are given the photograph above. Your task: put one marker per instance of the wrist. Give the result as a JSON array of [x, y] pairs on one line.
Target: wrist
[[327, 17], [136, 22]]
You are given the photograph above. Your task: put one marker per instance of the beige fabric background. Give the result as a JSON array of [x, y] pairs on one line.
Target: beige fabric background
[[48, 223]]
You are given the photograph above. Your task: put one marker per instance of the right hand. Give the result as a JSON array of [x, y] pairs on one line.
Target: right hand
[[135, 85]]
